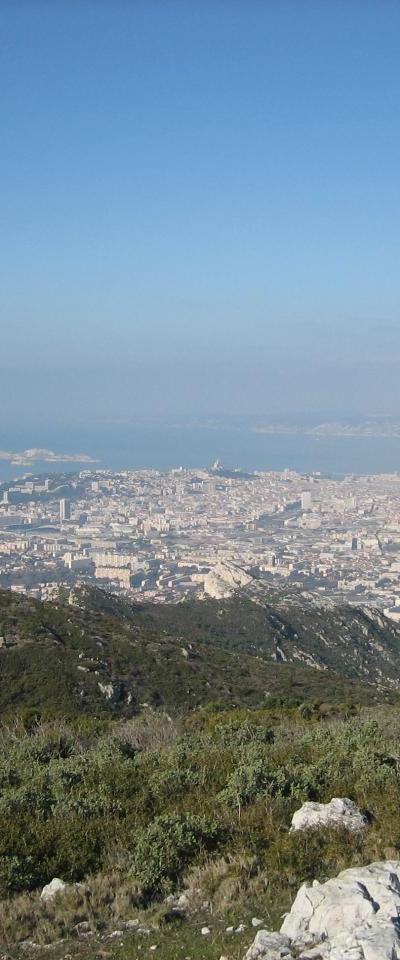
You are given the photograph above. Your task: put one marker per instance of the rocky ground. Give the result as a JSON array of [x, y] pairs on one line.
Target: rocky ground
[[354, 916]]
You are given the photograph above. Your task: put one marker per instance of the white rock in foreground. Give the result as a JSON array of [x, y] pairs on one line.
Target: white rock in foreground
[[340, 812], [51, 889], [354, 916], [270, 946]]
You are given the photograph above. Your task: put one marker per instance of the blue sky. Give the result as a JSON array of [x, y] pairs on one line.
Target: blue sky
[[200, 207]]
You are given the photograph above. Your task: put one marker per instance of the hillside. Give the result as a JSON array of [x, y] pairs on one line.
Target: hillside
[[101, 655], [152, 758], [287, 626], [161, 829]]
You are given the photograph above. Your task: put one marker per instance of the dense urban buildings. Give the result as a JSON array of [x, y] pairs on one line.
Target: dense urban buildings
[[150, 535]]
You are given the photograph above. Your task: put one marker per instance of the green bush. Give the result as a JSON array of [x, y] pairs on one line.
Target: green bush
[[167, 846], [32, 852]]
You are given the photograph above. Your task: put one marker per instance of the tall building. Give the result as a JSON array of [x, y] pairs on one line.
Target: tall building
[[306, 500], [65, 510]]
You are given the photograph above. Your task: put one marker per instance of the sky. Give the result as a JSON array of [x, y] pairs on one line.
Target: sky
[[200, 208]]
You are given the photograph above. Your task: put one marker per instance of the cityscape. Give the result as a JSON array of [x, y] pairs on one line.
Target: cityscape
[[153, 536]]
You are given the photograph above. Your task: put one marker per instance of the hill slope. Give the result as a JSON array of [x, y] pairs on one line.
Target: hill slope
[[289, 626], [102, 656]]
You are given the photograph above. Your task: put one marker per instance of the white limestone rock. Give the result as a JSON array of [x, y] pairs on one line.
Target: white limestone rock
[[224, 579], [340, 812], [106, 689], [353, 913], [177, 904], [51, 889], [354, 916], [270, 946]]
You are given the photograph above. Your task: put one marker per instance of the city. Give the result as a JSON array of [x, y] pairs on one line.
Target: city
[[167, 536]]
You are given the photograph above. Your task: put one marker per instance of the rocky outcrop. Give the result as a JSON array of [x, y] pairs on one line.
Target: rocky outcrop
[[270, 946], [354, 916], [51, 889], [224, 579], [340, 812]]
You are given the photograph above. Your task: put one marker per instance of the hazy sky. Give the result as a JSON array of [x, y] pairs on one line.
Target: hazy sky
[[200, 207]]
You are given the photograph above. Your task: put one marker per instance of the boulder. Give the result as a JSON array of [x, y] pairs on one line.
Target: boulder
[[83, 929], [51, 889], [270, 946], [354, 916], [177, 904], [340, 812]]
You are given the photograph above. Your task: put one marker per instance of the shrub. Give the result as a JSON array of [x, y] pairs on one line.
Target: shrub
[[151, 731], [167, 846], [33, 851]]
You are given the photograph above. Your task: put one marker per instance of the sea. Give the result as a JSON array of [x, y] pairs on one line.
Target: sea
[[166, 446]]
